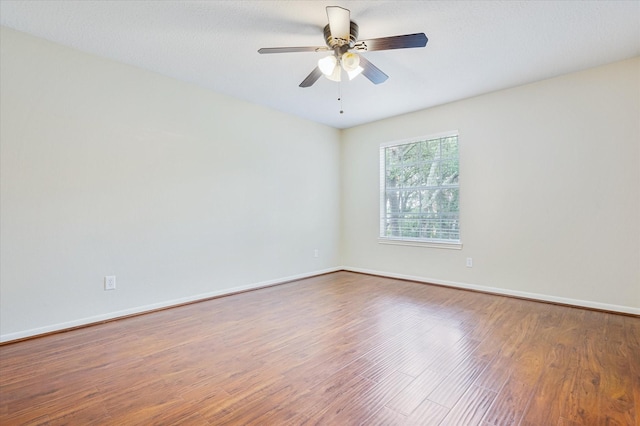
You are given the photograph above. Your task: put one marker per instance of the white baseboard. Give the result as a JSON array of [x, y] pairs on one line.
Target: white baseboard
[[155, 306], [190, 299], [535, 296]]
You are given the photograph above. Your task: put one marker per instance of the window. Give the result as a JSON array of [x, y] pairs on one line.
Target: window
[[419, 192]]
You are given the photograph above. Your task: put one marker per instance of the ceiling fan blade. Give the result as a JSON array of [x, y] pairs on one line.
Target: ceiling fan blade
[[311, 78], [293, 49], [339, 22], [395, 42], [372, 72]]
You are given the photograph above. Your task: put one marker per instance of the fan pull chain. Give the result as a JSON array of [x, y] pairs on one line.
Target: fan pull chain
[[340, 96]]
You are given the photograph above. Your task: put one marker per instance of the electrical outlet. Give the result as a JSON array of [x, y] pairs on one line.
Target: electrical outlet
[[469, 262], [110, 282], [316, 253]]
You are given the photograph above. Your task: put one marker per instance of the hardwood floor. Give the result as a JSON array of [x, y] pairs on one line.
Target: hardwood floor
[[338, 349]]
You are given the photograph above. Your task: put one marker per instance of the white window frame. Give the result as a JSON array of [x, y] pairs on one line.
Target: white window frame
[[406, 241]]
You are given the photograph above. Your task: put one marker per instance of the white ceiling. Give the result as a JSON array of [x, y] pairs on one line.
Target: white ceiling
[[474, 47]]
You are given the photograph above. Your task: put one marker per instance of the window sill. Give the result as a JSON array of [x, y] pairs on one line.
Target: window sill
[[430, 244]]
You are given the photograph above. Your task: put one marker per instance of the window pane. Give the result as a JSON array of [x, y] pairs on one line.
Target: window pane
[[449, 147]]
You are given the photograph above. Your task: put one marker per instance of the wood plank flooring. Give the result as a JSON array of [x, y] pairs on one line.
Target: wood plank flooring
[[338, 349]]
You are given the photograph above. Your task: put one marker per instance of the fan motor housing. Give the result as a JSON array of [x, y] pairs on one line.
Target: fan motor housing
[[339, 43]]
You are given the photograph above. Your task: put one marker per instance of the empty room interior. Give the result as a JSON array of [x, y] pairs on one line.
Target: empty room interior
[[201, 222]]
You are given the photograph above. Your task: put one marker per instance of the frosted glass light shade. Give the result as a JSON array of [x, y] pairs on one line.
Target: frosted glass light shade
[[350, 61], [327, 64], [353, 74], [335, 75], [330, 67]]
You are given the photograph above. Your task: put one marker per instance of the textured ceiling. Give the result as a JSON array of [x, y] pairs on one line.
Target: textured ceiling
[[474, 47]]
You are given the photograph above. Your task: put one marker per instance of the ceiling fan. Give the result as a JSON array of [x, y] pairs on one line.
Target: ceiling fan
[[341, 37]]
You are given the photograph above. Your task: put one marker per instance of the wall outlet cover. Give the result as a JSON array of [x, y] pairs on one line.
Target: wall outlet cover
[[110, 282]]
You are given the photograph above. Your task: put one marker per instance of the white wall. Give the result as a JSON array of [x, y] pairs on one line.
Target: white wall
[[183, 193], [550, 191], [179, 192]]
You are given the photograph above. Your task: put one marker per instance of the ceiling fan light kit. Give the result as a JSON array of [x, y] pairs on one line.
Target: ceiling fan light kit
[[341, 36], [331, 66]]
